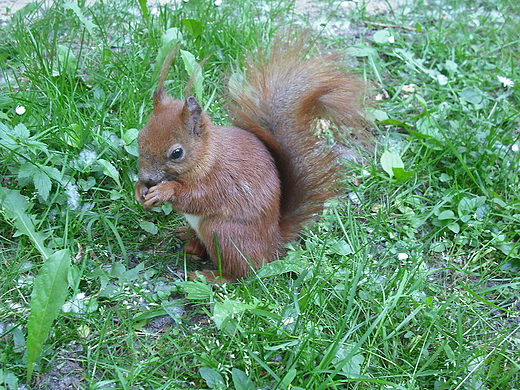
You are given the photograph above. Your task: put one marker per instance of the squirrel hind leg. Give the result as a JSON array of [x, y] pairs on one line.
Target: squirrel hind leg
[[193, 245], [240, 247]]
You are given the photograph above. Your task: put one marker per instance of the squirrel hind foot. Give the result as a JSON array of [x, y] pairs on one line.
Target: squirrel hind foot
[[211, 277]]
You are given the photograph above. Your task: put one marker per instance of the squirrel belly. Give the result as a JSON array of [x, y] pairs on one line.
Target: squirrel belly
[[248, 189], [193, 221]]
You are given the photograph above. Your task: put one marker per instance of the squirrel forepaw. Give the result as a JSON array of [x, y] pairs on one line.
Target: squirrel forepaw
[[140, 191], [157, 195]]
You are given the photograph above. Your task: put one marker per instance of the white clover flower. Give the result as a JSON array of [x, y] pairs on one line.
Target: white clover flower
[[515, 148], [217, 3], [73, 196], [287, 321], [442, 80], [391, 39], [507, 83], [402, 256], [75, 304], [20, 110], [87, 156]]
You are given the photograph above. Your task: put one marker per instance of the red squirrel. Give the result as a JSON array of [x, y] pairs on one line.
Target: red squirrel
[[248, 189]]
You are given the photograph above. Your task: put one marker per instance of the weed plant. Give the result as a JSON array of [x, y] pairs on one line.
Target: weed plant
[[409, 281]]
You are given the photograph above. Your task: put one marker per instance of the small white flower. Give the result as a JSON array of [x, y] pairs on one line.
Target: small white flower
[[507, 83], [515, 148], [217, 3], [402, 256], [391, 39], [442, 80], [409, 88], [354, 198], [20, 110]]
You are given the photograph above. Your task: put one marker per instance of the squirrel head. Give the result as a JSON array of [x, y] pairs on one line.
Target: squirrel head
[[171, 144]]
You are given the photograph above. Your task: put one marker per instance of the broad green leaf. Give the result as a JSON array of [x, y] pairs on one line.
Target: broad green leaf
[[20, 131], [30, 8], [382, 36], [173, 34], [379, 115], [472, 95], [289, 377], [197, 291], [438, 247], [117, 269], [229, 308], [67, 59], [109, 169], [349, 361], [40, 176], [49, 293], [194, 70], [389, 161], [401, 173], [13, 202], [79, 13], [130, 139], [469, 205], [454, 227], [241, 380], [446, 214], [341, 247], [280, 267], [193, 26], [451, 66], [508, 249], [42, 183], [149, 227], [445, 178], [169, 41], [72, 135], [213, 379], [371, 54], [14, 205], [130, 135], [361, 50], [10, 380], [132, 273]]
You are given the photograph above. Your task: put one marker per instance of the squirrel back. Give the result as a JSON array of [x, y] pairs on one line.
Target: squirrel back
[[246, 190], [283, 99]]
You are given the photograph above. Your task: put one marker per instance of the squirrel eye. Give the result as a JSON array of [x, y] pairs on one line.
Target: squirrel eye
[[176, 154]]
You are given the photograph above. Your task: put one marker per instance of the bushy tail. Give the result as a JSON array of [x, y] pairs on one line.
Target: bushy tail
[[280, 99]]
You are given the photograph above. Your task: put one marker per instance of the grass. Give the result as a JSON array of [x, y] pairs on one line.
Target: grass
[[409, 282]]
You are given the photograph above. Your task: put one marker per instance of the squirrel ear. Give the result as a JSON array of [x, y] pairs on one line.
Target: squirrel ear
[[193, 114]]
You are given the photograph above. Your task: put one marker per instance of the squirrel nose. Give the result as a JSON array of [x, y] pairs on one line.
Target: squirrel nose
[[150, 179], [149, 183]]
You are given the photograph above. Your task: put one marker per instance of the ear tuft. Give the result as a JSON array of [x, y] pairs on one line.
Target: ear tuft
[[159, 95], [193, 113]]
